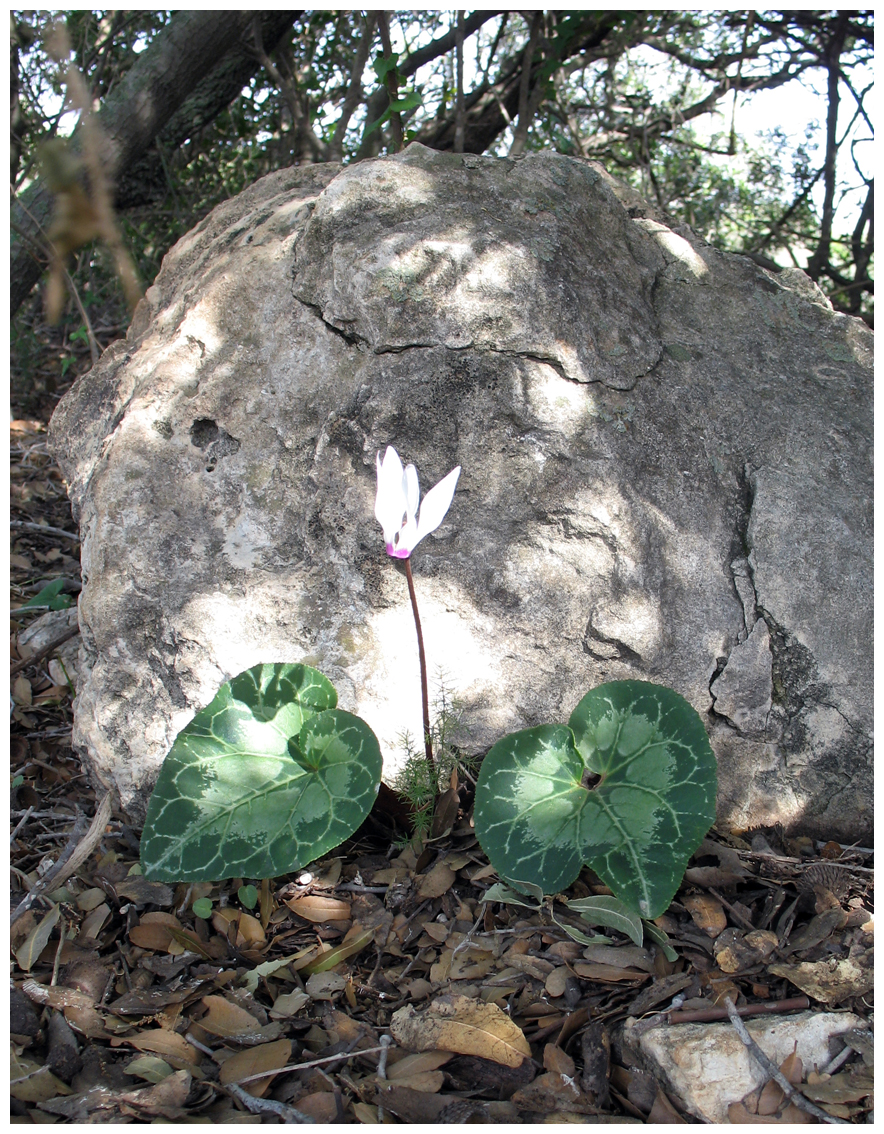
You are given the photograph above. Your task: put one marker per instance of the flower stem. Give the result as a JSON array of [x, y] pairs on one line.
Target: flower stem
[[425, 698]]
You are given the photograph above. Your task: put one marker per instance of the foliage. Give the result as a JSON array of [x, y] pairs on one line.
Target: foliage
[[262, 781], [628, 787], [50, 596], [665, 99], [414, 782]]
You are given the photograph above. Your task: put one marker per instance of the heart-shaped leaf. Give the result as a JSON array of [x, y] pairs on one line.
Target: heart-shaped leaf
[[539, 816], [262, 781]]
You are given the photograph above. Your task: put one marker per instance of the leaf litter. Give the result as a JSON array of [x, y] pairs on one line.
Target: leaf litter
[[381, 984]]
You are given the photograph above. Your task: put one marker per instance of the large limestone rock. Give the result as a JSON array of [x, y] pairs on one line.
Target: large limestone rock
[[666, 474]]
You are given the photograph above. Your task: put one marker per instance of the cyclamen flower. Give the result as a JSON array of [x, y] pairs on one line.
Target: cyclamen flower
[[396, 507]]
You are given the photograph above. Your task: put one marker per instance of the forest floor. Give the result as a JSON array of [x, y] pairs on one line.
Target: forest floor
[[379, 986]]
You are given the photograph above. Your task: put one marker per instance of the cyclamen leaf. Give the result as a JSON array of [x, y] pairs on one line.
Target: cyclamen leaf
[[637, 827], [265, 779], [610, 912]]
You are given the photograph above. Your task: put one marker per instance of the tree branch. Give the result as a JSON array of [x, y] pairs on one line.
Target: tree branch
[[460, 110], [354, 90], [832, 55]]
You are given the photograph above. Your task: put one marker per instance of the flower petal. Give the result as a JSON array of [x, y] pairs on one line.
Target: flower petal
[[391, 503], [435, 505], [412, 489]]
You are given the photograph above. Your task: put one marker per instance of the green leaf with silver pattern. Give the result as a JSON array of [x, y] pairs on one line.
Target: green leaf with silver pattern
[[538, 819], [264, 780]]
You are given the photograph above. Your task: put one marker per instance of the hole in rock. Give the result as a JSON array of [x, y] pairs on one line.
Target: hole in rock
[[203, 432]]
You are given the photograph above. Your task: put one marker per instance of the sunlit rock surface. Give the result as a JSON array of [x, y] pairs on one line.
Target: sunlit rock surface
[[707, 1067], [666, 475]]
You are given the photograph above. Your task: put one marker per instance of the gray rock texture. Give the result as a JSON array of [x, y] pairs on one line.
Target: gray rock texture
[[706, 1067], [666, 475]]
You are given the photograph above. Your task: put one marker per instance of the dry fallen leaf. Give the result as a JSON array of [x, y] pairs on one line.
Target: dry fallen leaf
[[829, 981], [267, 1057], [416, 1064], [228, 1020], [557, 982], [160, 1041], [428, 1081], [435, 882], [321, 1106], [319, 908], [707, 913], [462, 1025], [32, 1082], [29, 951]]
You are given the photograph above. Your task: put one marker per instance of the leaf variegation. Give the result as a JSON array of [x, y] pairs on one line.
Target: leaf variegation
[[610, 912], [262, 781], [636, 827], [528, 807], [502, 893]]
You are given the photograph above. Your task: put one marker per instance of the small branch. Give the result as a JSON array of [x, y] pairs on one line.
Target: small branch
[[774, 1072], [90, 334], [520, 135], [425, 697], [254, 1105], [704, 1015], [342, 1056], [354, 91], [73, 856], [43, 529], [50, 646], [392, 82], [459, 111]]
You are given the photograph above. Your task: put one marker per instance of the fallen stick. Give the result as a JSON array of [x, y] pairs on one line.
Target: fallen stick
[[704, 1015], [71, 632], [288, 1114], [774, 1072], [78, 849]]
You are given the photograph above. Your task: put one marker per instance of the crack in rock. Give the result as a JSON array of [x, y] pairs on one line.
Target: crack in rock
[[743, 691]]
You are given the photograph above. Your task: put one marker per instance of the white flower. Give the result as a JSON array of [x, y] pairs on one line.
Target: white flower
[[397, 501]]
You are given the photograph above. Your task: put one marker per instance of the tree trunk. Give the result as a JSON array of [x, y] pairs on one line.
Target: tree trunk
[[193, 69]]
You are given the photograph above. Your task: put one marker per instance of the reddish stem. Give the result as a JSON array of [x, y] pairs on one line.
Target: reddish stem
[[425, 698]]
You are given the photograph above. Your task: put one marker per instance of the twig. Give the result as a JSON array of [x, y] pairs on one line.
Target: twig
[[342, 1055], [382, 1068], [194, 1042], [774, 1072], [71, 632], [73, 856], [739, 918], [468, 940], [382, 1062], [20, 824], [288, 1114], [94, 352], [43, 529], [391, 81], [691, 1016]]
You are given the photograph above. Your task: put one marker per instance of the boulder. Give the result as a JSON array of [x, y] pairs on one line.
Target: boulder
[[666, 475]]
